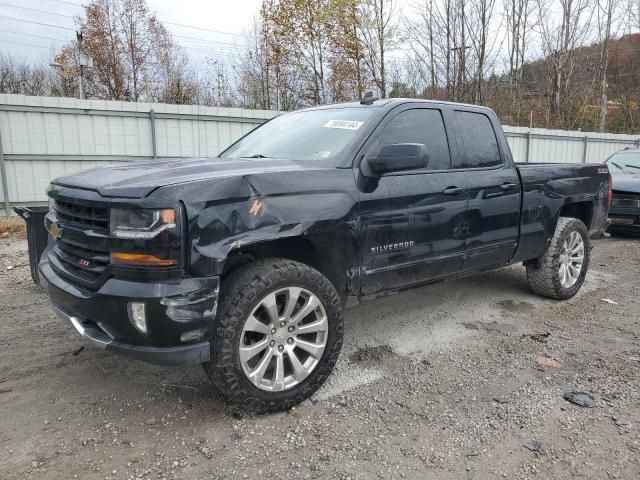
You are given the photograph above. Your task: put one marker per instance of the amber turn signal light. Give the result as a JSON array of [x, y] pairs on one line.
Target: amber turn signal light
[[141, 259], [168, 216]]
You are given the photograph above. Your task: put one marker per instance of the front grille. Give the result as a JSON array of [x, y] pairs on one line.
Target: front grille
[[81, 259], [81, 214], [82, 262], [626, 199]]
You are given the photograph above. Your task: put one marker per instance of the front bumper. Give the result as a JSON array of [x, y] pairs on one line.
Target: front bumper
[[168, 356], [180, 315], [624, 218]]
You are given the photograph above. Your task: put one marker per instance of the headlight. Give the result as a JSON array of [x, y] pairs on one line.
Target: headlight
[[141, 223]]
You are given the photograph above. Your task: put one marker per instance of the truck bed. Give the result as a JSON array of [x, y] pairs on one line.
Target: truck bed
[[547, 188]]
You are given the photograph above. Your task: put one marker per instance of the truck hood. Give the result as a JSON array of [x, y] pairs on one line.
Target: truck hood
[[626, 182], [138, 179]]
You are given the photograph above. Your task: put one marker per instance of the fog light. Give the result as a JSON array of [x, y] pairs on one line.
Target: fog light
[[137, 315]]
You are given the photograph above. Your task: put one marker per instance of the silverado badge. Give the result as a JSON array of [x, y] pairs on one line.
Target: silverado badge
[[392, 247]]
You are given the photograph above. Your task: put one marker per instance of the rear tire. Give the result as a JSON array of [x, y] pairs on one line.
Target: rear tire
[[306, 317], [560, 272]]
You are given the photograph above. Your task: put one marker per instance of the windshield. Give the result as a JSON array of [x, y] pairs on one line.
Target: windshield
[[312, 135], [627, 162]]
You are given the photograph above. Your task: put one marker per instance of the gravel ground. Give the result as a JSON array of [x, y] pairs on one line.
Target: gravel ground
[[441, 382]]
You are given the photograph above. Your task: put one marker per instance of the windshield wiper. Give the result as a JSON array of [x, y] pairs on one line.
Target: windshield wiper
[[616, 165], [256, 155], [623, 169], [633, 166]]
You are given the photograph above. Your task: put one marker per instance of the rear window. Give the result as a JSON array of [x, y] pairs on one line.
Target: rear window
[[480, 145]]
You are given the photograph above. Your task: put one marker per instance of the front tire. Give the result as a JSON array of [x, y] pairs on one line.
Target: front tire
[[560, 272], [278, 335]]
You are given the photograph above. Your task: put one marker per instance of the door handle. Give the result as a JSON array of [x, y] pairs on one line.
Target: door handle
[[453, 191], [508, 186]]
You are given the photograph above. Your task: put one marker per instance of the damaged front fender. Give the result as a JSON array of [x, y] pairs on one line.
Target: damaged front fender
[[232, 213]]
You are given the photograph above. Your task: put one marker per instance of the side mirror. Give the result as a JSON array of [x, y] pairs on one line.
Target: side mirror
[[398, 157]]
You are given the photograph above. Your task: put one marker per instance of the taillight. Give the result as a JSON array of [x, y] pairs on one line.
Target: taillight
[[610, 196]]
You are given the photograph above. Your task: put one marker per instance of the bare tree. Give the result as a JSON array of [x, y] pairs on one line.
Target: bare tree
[[421, 31], [348, 75], [518, 26], [18, 76], [479, 34], [460, 47], [560, 43], [551, 58], [266, 78], [139, 30], [104, 43], [434, 38], [134, 56], [378, 31], [254, 84], [299, 36], [606, 9], [172, 80]]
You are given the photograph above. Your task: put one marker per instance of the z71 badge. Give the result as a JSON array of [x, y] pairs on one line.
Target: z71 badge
[[602, 171]]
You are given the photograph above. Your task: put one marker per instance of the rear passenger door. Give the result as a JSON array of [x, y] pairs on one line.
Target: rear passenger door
[[494, 190], [413, 222]]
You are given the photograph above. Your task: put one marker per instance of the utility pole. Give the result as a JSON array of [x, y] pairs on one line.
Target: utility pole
[[84, 62]]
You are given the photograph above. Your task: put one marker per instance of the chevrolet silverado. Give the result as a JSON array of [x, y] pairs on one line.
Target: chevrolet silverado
[[244, 262]]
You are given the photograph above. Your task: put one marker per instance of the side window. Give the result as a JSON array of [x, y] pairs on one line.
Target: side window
[[479, 143], [420, 125]]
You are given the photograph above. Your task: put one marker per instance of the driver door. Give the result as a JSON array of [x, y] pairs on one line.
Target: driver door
[[413, 223]]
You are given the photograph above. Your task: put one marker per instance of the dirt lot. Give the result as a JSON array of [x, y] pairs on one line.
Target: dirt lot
[[440, 382]]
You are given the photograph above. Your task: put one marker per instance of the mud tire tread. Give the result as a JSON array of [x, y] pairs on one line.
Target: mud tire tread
[[542, 275], [239, 292]]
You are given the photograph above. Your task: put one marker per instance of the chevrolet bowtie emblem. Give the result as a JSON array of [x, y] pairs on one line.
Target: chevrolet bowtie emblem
[[55, 231]]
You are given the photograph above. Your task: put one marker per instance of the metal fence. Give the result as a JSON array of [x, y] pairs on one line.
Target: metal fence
[[562, 146], [42, 138]]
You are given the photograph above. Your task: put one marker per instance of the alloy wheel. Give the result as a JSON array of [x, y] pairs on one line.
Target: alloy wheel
[[283, 339], [571, 259]]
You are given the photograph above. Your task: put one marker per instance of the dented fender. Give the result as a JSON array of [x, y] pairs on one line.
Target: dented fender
[[232, 213]]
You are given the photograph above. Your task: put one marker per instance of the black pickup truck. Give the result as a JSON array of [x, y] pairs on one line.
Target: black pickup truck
[[244, 262]]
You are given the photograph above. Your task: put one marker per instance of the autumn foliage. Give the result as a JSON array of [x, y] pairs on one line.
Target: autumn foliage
[[571, 64]]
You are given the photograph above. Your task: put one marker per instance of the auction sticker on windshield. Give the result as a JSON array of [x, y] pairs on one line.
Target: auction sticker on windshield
[[345, 124]]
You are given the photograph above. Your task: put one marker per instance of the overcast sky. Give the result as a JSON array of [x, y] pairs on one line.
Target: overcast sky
[[31, 29], [49, 23]]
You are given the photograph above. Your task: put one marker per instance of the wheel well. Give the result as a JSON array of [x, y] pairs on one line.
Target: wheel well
[[317, 252], [580, 210]]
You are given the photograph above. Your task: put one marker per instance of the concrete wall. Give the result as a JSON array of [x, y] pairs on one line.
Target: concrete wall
[[42, 138]]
